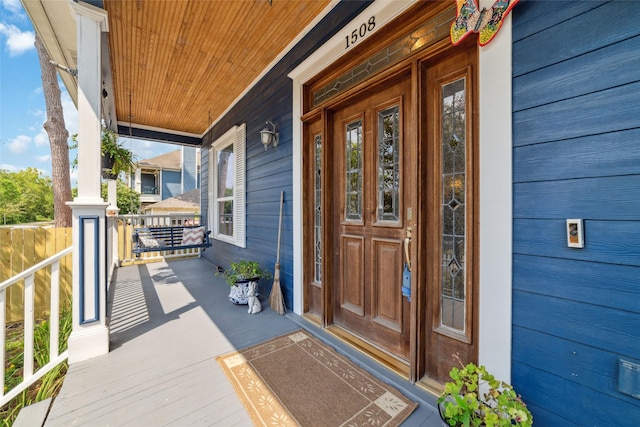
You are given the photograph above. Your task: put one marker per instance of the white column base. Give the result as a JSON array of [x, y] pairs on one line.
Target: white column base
[[88, 342], [90, 334]]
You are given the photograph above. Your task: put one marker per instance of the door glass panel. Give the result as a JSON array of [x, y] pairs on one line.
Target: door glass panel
[[388, 164], [354, 166], [453, 295], [317, 239]]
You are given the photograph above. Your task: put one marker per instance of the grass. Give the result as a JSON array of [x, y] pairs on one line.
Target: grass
[[50, 383]]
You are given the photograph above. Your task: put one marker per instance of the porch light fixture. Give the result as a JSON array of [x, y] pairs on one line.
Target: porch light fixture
[[269, 136]]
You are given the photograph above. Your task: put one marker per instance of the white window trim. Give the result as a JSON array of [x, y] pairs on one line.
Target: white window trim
[[236, 136]]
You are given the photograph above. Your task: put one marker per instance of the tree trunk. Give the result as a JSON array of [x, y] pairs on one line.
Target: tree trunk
[[58, 136]]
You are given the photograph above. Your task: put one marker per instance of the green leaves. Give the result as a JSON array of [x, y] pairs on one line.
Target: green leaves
[[127, 199], [474, 397], [25, 196]]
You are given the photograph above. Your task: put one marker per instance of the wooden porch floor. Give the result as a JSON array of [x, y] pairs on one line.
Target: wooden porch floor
[[169, 322]]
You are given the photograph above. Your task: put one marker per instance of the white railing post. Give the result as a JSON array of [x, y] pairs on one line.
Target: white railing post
[[54, 316], [27, 368]]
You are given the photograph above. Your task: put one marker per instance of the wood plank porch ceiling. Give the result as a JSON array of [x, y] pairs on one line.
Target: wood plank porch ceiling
[[177, 65]]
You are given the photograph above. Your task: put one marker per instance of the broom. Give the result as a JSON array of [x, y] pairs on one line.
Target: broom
[[276, 299]]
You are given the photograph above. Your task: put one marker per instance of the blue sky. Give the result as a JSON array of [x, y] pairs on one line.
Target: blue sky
[[23, 141]]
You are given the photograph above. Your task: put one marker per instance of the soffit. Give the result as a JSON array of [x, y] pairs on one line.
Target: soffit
[[179, 65], [55, 24]]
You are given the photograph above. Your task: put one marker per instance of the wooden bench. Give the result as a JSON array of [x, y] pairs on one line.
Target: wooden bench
[[169, 238]]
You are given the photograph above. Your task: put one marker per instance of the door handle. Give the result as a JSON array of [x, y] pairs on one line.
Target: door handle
[[407, 242], [406, 273]]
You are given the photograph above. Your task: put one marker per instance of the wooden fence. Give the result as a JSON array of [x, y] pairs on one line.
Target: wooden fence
[[21, 248]]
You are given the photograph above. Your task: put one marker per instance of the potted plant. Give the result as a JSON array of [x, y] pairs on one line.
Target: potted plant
[[474, 397], [239, 275], [115, 157]]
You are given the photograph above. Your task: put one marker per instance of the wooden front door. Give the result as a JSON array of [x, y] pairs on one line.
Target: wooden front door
[[392, 158], [372, 168]]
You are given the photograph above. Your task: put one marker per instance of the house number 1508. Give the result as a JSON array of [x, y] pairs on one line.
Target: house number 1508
[[360, 32]]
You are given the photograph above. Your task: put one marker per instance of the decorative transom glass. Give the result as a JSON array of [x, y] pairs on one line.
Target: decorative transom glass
[[426, 35], [453, 272], [388, 164], [353, 188], [317, 208]]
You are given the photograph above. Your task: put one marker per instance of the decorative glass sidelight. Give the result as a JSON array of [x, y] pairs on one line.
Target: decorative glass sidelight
[[317, 208], [354, 169], [389, 164], [453, 287]]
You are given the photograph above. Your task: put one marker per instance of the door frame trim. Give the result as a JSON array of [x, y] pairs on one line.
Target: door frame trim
[[495, 180]]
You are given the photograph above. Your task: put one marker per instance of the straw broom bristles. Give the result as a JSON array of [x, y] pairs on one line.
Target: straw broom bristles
[[276, 299]]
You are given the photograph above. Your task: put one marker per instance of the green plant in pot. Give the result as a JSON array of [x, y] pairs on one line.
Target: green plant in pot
[[115, 157], [239, 275], [244, 271], [474, 397]]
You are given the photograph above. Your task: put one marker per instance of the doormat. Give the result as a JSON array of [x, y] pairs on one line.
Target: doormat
[[295, 380]]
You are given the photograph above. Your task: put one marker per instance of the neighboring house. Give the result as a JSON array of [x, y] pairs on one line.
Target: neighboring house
[[398, 148], [186, 203], [167, 175]]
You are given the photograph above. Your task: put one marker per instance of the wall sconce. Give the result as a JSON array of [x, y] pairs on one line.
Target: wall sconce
[[269, 136]]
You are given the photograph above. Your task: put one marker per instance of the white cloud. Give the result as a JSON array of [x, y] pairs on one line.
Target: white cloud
[[42, 138], [10, 168], [18, 41], [46, 158], [12, 6], [19, 144]]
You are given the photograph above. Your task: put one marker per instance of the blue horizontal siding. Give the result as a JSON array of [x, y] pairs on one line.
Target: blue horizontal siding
[[576, 138], [171, 184], [609, 154], [595, 71], [605, 241], [569, 360], [597, 27], [540, 15], [605, 111], [579, 405], [602, 198], [601, 327], [608, 285]]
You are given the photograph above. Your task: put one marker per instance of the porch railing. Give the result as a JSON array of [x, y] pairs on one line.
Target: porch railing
[[28, 276], [126, 224]]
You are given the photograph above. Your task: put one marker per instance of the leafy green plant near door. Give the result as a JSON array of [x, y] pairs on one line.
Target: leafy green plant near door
[[239, 275], [474, 397]]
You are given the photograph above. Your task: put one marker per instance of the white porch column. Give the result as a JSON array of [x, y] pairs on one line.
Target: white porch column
[[90, 335], [113, 260]]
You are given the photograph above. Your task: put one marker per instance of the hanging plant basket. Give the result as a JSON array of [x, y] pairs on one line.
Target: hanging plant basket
[[107, 168]]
